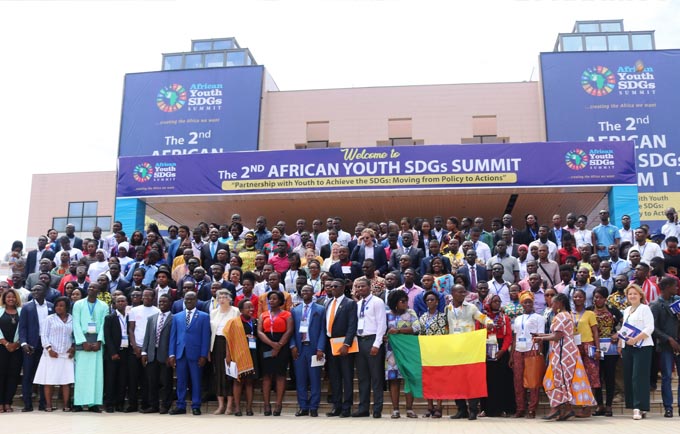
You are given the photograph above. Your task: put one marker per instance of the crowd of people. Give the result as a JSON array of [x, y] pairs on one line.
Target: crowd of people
[[223, 309]]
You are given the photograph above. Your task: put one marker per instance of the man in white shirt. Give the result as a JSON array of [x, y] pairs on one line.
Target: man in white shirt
[[482, 249], [542, 240], [671, 227], [648, 250], [626, 232], [371, 328], [137, 319]]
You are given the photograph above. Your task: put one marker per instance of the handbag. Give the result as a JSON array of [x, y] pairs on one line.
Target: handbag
[[534, 369]]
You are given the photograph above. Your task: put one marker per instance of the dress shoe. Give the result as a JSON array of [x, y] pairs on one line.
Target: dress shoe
[[519, 414], [94, 409], [196, 411], [77, 408], [472, 415], [177, 411], [360, 414], [27, 409], [668, 412], [109, 409], [302, 413], [345, 414], [459, 415], [334, 412], [377, 415], [131, 409], [149, 410], [120, 408], [531, 415], [250, 413], [42, 408], [314, 413], [566, 416], [163, 410]]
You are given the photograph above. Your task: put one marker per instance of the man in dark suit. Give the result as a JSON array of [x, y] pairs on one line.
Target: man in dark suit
[[117, 281], [76, 243], [359, 252], [344, 268], [203, 291], [341, 322], [188, 352], [308, 341], [178, 305], [218, 276], [155, 355], [473, 271], [34, 256], [409, 249], [31, 321], [116, 354], [45, 265], [325, 250], [434, 253], [210, 249]]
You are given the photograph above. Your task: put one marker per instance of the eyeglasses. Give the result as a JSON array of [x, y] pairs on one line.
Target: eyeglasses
[[549, 295]]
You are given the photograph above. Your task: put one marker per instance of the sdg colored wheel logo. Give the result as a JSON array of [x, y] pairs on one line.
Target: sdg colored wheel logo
[[171, 98], [142, 172], [598, 81], [576, 159]]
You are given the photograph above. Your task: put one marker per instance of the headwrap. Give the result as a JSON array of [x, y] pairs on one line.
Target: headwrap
[[524, 295], [124, 245]]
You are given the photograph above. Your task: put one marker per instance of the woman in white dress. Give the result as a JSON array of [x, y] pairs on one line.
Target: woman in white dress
[[56, 364]]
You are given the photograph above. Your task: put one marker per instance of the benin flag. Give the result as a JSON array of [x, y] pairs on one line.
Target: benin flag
[[443, 366]]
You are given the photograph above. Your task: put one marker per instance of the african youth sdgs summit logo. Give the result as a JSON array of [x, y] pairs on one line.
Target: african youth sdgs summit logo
[[161, 172], [578, 159], [199, 97], [629, 80]]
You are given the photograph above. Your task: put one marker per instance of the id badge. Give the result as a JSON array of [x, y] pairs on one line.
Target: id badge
[[346, 269], [252, 344], [522, 344], [360, 324], [124, 342], [92, 327], [304, 327], [577, 339]]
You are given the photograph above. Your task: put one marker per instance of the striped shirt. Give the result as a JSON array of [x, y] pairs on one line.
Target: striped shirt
[[58, 334]]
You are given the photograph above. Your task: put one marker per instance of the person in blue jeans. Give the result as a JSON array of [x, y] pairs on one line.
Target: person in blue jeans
[[666, 337]]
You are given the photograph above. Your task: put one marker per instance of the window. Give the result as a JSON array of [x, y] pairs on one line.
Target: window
[[214, 60], [611, 27], [83, 215], [236, 58], [193, 61], [642, 42], [572, 43], [226, 44], [202, 46], [172, 62], [596, 43], [618, 42], [588, 28]]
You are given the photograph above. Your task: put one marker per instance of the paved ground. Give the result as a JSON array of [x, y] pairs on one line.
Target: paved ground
[[64, 423]]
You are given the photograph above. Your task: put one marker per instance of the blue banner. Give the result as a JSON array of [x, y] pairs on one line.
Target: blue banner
[[617, 96], [575, 164], [199, 111]]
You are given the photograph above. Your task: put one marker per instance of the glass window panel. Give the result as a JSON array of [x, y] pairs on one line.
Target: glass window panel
[[172, 62], [642, 42], [192, 61], [104, 223], [90, 209], [236, 58], [596, 43], [572, 43], [214, 60], [75, 209], [88, 224], [77, 222], [59, 223], [588, 27], [610, 27], [202, 46], [618, 42], [227, 44]]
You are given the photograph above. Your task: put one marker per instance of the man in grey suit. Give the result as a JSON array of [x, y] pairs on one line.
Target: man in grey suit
[[44, 266], [416, 254], [155, 356]]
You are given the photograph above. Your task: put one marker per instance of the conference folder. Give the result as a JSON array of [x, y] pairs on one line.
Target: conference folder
[[336, 343]]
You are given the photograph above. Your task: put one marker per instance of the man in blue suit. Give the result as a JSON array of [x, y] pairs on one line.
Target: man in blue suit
[[32, 319], [188, 352], [308, 341]]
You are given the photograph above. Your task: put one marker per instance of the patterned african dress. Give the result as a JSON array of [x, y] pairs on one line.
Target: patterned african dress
[[565, 379], [513, 310], [436, 324], [395, 321], [443, 284]]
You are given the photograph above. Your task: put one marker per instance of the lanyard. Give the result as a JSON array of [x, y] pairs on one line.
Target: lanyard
[[576, 321], [292, 279], [527, 317], [272, 318], [496, 288], [91, 309], [122, 325], [364, 305], [429, 320], [642, 251]]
